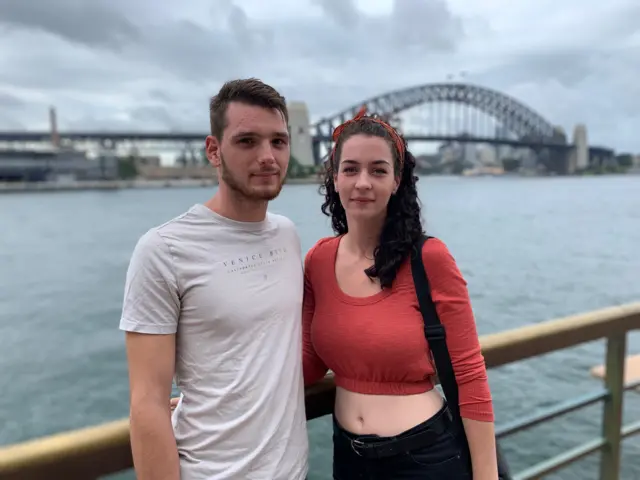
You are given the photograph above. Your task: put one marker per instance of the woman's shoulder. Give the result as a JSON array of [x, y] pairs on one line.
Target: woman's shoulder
[[434, 246], [321, 250], [436, 254]]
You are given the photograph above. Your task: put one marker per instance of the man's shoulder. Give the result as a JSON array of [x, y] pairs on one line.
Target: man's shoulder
[[284, 227], [159, 239], [282, 221], [180, 221], [150, 242]]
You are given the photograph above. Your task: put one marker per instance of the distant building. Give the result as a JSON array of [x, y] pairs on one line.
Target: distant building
[[157, 172], [487, 155], [54, 165], [470, 153], [149, 160]]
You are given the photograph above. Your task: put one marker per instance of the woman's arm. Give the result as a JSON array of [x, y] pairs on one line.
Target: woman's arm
[[482, 446], [451, 299]]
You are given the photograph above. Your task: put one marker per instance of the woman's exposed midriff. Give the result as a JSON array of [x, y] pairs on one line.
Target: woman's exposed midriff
[[384, 415]]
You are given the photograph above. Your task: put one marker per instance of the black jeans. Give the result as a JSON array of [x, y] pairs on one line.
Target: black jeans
[[429, 451]]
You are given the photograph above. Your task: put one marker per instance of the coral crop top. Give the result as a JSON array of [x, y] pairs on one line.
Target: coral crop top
[[376, 344]]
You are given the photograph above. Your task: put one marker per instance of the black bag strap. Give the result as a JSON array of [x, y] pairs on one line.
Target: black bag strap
[[436, 336], [434, 331]]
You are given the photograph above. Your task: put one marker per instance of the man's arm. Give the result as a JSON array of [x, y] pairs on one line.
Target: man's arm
[[150, 314], [151, 367]]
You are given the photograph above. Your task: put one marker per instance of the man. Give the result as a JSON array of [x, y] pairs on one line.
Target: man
[[214, 297]]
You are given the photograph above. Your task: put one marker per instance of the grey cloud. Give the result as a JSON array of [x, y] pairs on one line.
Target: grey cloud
[[87, 121], [161, 118], [38, 70], [11, 107], [194, 52], [143, 66], [18, 113], [9, 122], [343, 12], [621, 23], [154, 115], [159, 95], [567, 67], [418, 26], [241, 27], [187, 50], [10, 101], [426, 24], [240, 47], [88, 22]]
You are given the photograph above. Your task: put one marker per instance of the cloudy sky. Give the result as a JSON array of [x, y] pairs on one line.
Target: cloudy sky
[[142, 64]]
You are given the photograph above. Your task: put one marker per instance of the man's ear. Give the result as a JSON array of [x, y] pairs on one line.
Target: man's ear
[[212, 149]]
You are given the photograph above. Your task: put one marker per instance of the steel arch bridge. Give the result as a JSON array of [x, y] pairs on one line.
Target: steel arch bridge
[[528, 126]]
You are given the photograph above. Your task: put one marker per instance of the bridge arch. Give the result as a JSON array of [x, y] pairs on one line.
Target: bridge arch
[[514, 115]]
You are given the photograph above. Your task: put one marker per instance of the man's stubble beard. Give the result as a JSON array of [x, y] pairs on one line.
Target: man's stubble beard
[[245, 191]]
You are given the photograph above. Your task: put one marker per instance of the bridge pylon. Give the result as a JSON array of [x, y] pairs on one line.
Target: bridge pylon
[[579, 156], [299, 132]]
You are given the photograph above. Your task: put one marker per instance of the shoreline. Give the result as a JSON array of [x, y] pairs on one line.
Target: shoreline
[[140, 183], [84, 185], [106, 185]]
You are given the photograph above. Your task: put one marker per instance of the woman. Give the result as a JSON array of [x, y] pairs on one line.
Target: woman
[[362, 321]]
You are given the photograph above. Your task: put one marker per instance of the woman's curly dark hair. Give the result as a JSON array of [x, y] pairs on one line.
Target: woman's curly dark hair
[[402, 227]]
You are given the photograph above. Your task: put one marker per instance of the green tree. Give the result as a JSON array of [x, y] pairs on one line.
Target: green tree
[[624, 160], [181, 159], [510, 164], [296, 170], [127, 167]]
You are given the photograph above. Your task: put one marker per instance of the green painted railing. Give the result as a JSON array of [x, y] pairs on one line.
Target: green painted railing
[[94, 452]]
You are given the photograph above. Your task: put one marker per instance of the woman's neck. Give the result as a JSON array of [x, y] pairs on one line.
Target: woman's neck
[[362, 239]]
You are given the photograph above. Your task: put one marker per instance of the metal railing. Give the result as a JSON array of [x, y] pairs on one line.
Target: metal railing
[[93, 452]]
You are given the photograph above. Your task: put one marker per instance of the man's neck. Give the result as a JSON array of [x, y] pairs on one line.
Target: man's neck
[[235, 208]]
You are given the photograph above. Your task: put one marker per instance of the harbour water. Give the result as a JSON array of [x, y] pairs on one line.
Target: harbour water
[[531, 249]]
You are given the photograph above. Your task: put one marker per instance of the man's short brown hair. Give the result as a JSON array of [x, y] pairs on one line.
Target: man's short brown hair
[[250, 91]]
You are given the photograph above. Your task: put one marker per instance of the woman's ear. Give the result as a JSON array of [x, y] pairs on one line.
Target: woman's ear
[[396, 184]]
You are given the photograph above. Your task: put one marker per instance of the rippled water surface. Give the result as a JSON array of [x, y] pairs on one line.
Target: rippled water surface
[[531, 250]]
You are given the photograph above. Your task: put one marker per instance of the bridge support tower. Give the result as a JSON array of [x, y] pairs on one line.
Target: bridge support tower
[[579, 156], [301, 141]]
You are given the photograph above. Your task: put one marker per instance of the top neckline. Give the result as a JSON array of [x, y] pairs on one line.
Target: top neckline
[[346, 298], [201, 209]]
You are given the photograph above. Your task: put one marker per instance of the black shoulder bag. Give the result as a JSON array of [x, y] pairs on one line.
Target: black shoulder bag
[[435, 333]]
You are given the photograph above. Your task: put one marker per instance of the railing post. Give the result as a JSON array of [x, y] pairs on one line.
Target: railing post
[[612, 414]]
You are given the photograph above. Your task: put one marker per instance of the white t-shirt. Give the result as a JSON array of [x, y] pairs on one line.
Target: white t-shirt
[[232, 291]]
